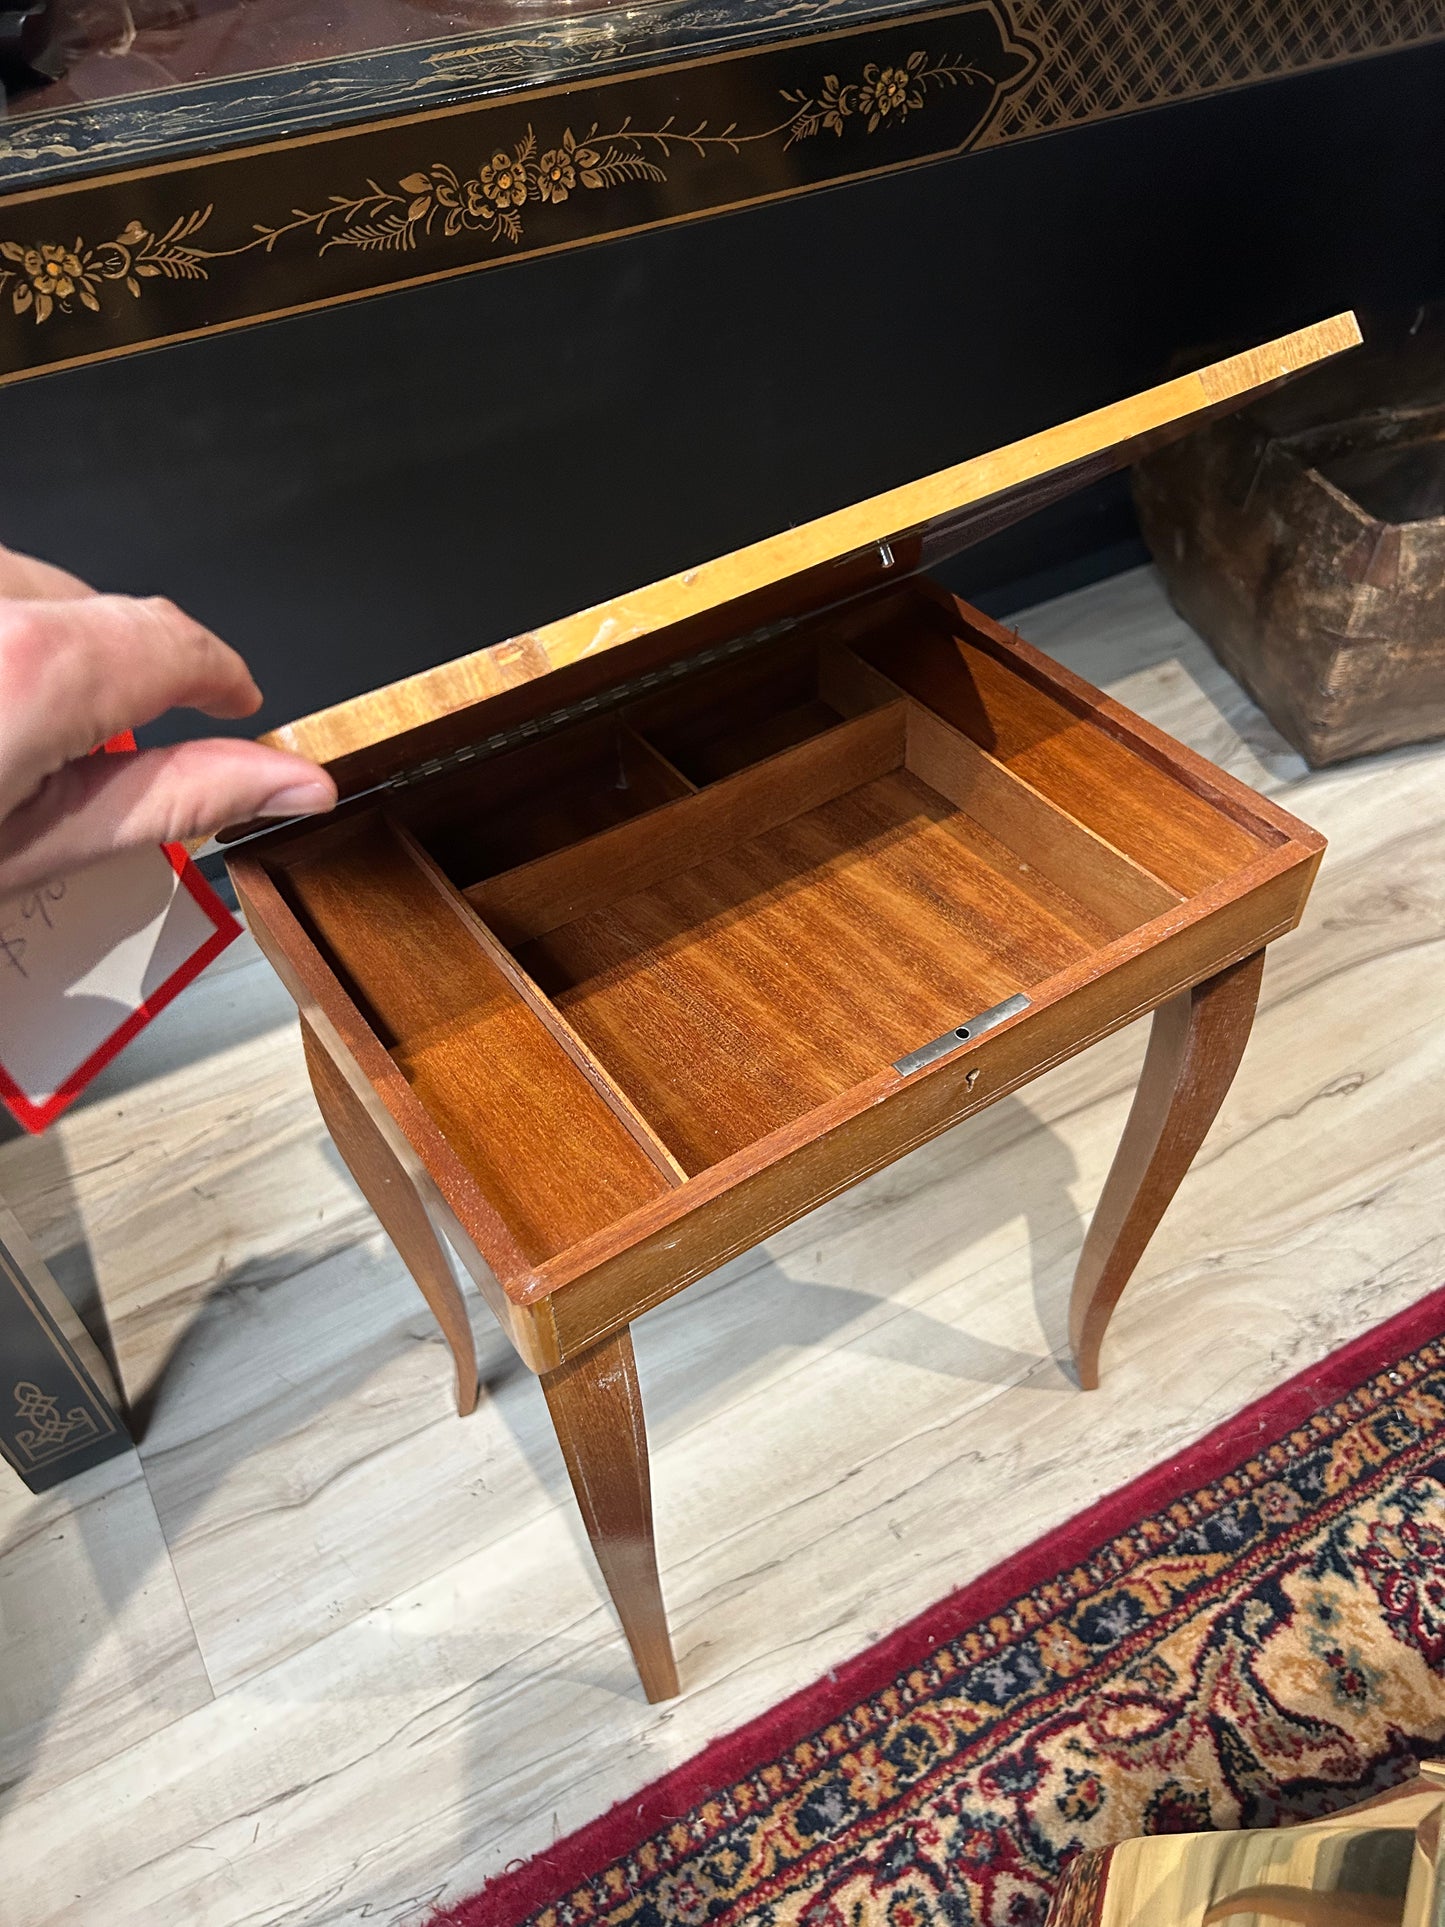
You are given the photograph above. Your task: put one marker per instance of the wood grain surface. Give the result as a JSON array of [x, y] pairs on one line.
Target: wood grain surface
[[539, 897], [506, 1096], [596, 1406], [394, 1198], [742, 993], [731, 974]]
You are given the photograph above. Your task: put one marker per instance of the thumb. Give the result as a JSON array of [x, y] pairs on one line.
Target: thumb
[[98, 805]]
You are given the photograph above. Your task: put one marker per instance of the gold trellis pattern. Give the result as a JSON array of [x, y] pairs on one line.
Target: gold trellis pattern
[[1106, 57]]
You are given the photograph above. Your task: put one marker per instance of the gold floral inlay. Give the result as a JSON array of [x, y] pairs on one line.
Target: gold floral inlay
[[509, 189]]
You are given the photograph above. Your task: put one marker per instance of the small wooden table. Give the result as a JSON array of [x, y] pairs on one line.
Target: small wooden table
[[642, 935]]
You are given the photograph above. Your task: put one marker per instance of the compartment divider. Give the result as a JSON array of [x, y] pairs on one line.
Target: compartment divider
[[546, 1149], [734, 717], [544, 1010], [486, 818], [1061, 848], [1056, 844], [541, 896], [636, 744], [1071, 745], [850, 685]]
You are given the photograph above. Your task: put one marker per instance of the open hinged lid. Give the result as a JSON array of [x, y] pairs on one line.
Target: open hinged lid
[[478, 704]]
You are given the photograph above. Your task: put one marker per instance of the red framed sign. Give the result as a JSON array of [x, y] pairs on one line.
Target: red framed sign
[[86, 962]]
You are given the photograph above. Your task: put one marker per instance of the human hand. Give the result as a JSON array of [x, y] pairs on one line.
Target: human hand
[[77, 668]]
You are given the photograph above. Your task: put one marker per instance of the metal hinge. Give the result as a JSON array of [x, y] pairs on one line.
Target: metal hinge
[[606, 700]]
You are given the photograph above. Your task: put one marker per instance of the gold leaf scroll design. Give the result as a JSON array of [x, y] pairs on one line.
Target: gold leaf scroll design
[[497, 201]]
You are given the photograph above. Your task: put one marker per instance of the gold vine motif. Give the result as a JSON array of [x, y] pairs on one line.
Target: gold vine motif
[[49, 276]]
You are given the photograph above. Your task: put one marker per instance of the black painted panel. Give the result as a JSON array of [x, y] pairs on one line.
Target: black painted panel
[[352, 495]]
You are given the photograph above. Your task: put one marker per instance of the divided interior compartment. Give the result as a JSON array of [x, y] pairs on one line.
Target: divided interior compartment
[[614, 956], [559, 791], [557, 1152]]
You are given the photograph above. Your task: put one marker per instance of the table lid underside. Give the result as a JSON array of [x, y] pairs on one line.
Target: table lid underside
[[374, 737]]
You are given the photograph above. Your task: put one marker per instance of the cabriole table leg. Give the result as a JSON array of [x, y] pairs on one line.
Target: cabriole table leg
[[1194, 1050], [597, 1409], [395, 1200]]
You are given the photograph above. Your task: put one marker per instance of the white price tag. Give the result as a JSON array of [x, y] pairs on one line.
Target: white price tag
[[87, 961]]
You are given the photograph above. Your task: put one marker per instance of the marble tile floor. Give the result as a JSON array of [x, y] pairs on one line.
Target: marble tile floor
[[321, 1653]]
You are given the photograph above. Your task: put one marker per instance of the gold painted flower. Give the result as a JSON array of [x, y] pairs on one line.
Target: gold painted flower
[[48, 273], [53, 270], [584, 160], [889, 91], [556, 175], [504, 181]]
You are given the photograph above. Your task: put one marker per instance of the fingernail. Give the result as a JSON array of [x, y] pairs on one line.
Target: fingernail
[[300, 799]]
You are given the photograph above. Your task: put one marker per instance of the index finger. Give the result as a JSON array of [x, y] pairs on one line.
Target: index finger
[[28, 579], [75, 673]]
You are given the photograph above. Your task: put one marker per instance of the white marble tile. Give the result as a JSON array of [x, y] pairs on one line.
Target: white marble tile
[[419, 1680]]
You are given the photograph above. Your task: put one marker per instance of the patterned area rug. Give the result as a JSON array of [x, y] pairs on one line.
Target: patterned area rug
[[1250, 1633]]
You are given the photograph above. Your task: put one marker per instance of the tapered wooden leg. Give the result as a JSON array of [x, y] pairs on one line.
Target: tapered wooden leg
[[396, 1201], [597, 1410], [1195, 1046]]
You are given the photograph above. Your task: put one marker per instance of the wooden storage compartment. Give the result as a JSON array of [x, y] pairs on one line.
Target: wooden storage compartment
[[544, 796], [1186, 837], [610, 958], [764, 702], [552, 1148], [744, 955]]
